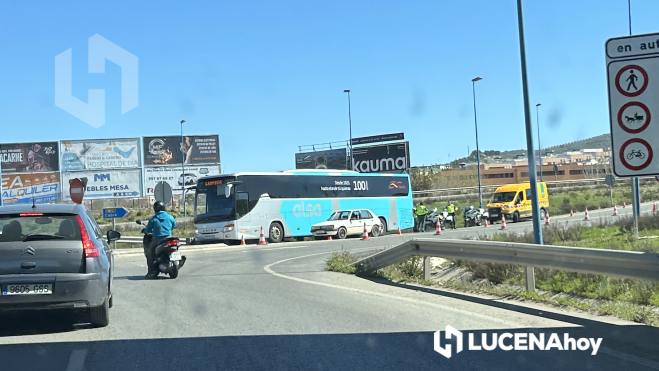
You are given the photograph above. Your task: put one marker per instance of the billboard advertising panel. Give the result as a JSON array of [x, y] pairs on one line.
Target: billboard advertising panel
[[24, 188], [166, 150], [29, 157], [100, 154], [329, 159], [385, 158], [174, 176], [106, 183]]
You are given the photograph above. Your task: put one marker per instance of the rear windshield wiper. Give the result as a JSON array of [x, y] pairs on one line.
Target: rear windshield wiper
[[34, 237]]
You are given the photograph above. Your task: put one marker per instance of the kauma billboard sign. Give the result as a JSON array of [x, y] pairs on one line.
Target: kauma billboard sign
[[386, 158]]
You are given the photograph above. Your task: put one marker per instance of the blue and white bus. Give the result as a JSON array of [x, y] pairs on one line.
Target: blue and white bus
[[229, 207]]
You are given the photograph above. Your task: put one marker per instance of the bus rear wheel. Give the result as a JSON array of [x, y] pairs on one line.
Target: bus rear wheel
[[276, 233]]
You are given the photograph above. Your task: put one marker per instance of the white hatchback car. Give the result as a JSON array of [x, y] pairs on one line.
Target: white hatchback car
[[348, 223]]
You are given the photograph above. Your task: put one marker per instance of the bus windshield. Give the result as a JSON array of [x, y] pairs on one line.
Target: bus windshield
[[211, 203]]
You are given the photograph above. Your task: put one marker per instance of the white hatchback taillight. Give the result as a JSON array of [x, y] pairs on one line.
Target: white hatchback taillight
[[91, 251]]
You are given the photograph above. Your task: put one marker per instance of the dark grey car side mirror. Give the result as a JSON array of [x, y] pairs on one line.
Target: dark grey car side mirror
[[113, 236]]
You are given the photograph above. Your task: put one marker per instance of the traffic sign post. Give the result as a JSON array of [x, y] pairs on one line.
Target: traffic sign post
[[163, 192], [113, 213], [610, 180], [632, 64]]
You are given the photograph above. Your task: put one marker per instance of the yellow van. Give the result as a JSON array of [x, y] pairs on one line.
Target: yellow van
[[514, 201]]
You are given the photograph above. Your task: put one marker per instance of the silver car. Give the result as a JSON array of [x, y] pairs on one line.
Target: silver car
[[55, 257]]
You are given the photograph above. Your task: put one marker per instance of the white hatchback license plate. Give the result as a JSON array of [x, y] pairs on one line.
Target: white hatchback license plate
[[175, 256], [28, 289]]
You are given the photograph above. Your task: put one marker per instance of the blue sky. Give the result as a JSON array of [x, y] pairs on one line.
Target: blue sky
[[268, 76]]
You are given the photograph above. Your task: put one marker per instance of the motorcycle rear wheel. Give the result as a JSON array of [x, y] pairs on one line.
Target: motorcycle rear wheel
[[173, 271]]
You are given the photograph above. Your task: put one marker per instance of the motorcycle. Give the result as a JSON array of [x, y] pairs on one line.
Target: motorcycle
[[473, 216], [431, 220], [446, 219], [168, 257]]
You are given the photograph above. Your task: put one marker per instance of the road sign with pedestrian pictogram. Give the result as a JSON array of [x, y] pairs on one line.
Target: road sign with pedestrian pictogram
[[632, 64]]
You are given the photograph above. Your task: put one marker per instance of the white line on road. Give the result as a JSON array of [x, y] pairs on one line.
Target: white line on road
[[268, 268], [77, 360], [613, 353]]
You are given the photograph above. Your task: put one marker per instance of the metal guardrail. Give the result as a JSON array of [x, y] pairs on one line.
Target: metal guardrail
[[549, 183], [625, 264]]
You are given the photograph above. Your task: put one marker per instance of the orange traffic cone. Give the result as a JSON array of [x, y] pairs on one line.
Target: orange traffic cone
[[487, 225], [587, 217], [365, 235], [242, 241], [547, 219], [615, 210], [503, 222], [262, 238], [399, 231], [654, 207], [624, 205], [571, 212], [329, 238], [438, 228]]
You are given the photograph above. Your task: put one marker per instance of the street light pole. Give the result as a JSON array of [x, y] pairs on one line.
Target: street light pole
[[183, 168], [478, 155], [537, 121], [349, 123]]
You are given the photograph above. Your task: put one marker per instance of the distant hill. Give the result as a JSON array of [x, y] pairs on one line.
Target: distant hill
[[601, 141]]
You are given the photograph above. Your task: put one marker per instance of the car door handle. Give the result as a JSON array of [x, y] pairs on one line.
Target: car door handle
[[28, 265]]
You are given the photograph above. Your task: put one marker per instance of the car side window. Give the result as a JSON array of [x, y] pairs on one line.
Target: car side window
[[355, 215], [528, 194], [366, 214], [95, 227]]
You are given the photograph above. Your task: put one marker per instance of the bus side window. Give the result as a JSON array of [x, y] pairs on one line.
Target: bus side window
[[242, 204]]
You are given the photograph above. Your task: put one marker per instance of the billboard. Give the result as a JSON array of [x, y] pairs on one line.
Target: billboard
[[378, 138], [29, 157], [385, 158], [199, 149], [100, 154], [329, 159], [107, 183], [174, 176], [24, 188]]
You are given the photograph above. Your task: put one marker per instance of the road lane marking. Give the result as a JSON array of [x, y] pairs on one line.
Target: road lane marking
[[610, 352], [268, 268], [77, 360]]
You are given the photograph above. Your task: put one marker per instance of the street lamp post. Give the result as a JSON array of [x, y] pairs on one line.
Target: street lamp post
[[183, 168], [349, 123], [478, 156], [537, 121]]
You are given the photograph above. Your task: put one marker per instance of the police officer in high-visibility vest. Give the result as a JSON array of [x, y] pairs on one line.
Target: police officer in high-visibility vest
[[451, 212], [416, 220], [421, 211]]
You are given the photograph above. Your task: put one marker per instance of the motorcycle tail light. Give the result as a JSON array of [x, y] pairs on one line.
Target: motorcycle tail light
[[172, 243]]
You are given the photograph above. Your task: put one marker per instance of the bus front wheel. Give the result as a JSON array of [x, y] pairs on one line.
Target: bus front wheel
[[384, 228], [276, 233]]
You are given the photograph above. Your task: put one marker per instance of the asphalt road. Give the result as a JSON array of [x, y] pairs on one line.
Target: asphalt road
[[274, 308]]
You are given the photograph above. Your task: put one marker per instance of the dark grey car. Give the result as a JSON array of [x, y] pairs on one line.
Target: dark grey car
[[55, 257]]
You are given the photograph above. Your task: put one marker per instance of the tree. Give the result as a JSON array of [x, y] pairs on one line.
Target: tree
[[422, 179]]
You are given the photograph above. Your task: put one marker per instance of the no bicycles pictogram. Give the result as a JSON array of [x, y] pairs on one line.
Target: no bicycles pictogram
[[632, 151], [627, 80]]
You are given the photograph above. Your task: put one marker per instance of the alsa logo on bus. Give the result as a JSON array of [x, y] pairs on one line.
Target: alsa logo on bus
[[306, 210]]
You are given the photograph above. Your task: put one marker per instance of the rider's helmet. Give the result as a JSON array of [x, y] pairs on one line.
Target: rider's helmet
[[158, 206]]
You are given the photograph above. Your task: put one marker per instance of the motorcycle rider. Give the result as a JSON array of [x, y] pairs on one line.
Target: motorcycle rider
[[160, 226], [451, 212], [421, 211]]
